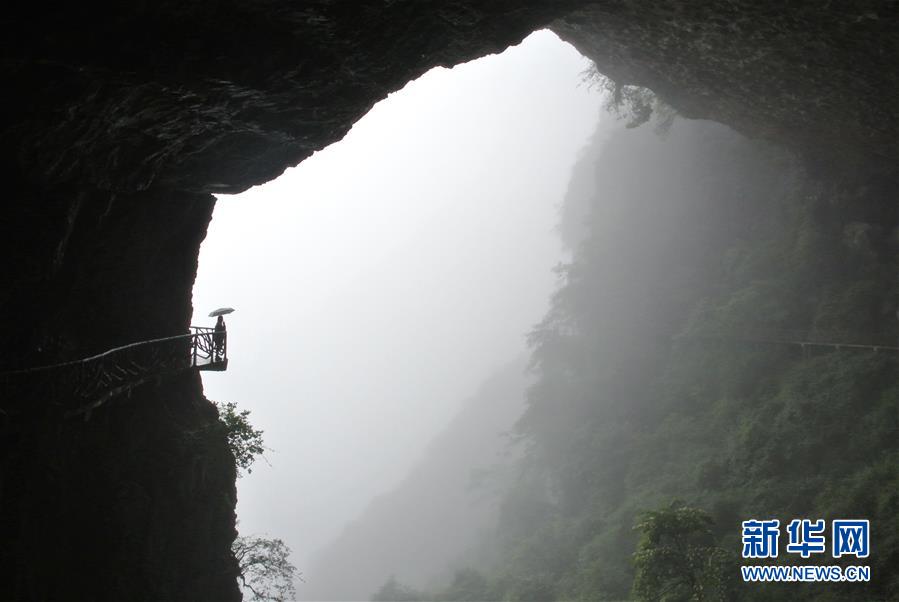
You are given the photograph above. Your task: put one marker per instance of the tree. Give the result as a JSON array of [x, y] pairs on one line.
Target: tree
[[676, 558], [394, 591], [245, 441], [265, 569], [468, 585], [635, 104]]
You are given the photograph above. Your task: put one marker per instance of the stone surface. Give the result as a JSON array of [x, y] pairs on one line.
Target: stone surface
[[118, 124], [815, 78]]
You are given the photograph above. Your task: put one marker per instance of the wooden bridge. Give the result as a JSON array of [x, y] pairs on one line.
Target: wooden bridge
[[86, 384]]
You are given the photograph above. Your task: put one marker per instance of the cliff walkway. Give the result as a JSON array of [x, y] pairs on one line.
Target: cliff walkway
[[83, 385], [88, 383], [804, 339]]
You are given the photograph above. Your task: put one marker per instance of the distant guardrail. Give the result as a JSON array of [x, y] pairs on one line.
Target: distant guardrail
[[833, 340]]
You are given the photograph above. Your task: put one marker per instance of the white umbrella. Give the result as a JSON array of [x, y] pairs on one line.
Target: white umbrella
[[221, 311]]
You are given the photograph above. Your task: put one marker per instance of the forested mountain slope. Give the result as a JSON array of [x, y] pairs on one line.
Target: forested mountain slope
[[648, 390]]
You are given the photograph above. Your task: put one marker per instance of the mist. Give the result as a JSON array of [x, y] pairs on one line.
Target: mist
[[382, 280], [686, 299], [610, 314]]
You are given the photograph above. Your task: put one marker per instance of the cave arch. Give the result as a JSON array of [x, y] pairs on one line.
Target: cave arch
[[134, 117]]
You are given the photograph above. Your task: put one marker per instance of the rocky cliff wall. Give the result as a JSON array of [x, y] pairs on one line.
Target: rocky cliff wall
[[118, 124], [815, 77]]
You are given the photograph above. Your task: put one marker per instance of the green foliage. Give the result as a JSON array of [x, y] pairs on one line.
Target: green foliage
[[647, 388], [635, 104], [468, 585], [244, 441], [394, 591], [265, 568], [677, 558]]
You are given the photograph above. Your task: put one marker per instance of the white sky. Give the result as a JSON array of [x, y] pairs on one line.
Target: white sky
[[381, 280]]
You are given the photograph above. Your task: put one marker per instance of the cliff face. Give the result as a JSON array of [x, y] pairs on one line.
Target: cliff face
[[135, 504], [814, 78], [119, 124]]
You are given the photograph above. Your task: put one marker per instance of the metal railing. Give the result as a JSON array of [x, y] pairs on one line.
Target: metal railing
[[209, 350], [834, 340], [81, 386]]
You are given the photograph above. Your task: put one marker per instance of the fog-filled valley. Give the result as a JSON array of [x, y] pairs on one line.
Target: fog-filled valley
[[411, 260], [662, 384], [438, 517]]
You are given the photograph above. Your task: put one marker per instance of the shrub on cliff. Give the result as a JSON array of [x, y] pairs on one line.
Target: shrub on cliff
[[265, 570], [677, 559], [244, 441]]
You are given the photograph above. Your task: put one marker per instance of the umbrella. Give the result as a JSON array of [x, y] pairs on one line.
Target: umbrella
[[221, 311]]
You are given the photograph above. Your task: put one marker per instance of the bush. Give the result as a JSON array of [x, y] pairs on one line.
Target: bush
[[244, 441], [265, 569]]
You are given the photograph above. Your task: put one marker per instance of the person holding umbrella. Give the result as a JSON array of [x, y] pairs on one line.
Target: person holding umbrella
[[218, 336]]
